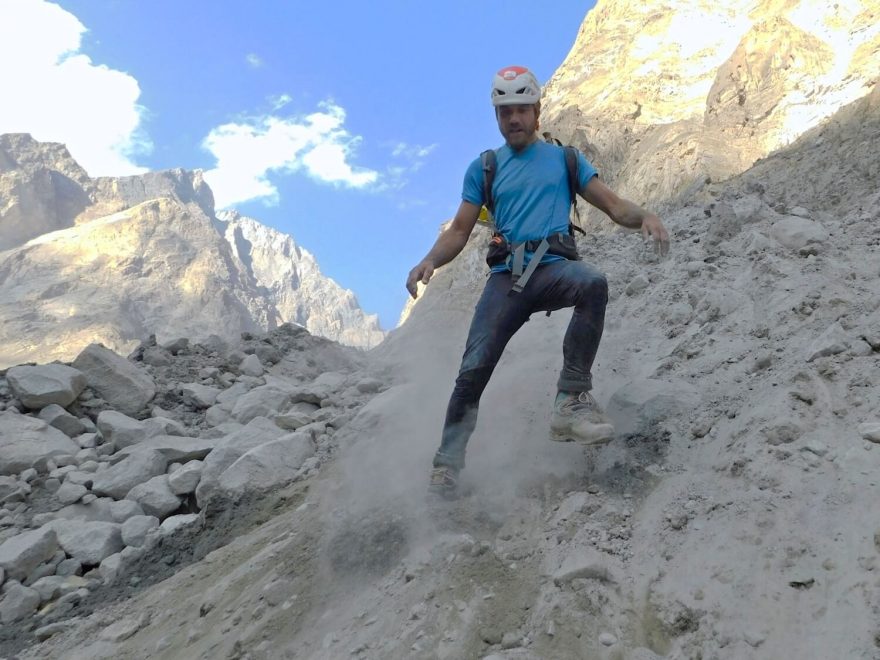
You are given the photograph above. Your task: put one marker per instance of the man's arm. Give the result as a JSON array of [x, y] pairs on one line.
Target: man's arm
[[626, 213], [447, 247]]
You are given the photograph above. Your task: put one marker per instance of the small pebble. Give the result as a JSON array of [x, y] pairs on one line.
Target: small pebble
[[607, 639]]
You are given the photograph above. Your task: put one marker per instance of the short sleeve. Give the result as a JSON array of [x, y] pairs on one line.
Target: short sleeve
[[472, 188], [586, 171]]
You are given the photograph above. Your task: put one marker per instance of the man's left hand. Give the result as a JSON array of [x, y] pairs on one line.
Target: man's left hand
[[652, 228]]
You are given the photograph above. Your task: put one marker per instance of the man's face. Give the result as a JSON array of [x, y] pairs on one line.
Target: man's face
[[518, 124]]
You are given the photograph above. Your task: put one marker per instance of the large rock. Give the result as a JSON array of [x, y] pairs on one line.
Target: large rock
[[19, 602], [586, 563], [794, 232], [267, 466], [184, 480], [176, 448], [229, 449], [136, 468], [136, 528], [38, 386], [89, 542], [23, 553], [639, 405], [832, 341], [24, 440], [122, 430], [57, 417], [264, 401], [155, 497], [119, 382], [199, 396]]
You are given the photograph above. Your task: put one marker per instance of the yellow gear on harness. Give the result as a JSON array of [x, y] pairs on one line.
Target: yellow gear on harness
[[485, 218]]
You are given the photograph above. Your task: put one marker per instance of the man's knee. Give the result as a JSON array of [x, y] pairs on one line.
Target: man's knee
[[470, 383], [594, 286]]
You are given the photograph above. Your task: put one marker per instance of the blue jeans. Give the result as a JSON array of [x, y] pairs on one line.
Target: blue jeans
[[499, 314]]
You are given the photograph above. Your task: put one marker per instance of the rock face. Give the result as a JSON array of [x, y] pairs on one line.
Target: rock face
[[113, 260], [295, 285], [660, 103]]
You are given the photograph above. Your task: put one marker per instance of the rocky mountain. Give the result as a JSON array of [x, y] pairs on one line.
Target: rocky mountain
[[292, 280], [117, 259], [665, 95], [266, 499]]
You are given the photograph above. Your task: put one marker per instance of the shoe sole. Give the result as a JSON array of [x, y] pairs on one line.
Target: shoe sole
[[568, 437]]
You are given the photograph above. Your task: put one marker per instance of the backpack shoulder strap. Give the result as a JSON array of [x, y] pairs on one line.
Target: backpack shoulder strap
[[488, 160], [572, 167]]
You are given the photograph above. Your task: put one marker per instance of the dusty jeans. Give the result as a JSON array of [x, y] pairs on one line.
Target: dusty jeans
[[499, 315]]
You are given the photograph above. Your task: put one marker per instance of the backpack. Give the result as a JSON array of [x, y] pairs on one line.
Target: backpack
[[500, 249]]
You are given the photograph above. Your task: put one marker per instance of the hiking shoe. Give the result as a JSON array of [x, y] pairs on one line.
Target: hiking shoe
[[578, 418], [444, 481]]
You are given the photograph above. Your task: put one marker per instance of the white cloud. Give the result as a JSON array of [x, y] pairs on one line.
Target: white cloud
[[278, 102], [247, 152], [57, 94], [412, 151], [254, 60], [412, 157]]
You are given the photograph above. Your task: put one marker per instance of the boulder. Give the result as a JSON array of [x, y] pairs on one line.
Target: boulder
[[267, 466], [251, 366], [22, 553], [795, 232], [173, 523], [70, 492], [870, 431], [136, 528], [123, 431], [199, 396], [25, 440], [56, 586], [264, 401], [331, 380], [12, 490], [162, 425], [291, 421], [18, 603], [41, 385], [177, 448], [586, 563], [184, 480], [639, 405], [57, 417], [118, 381], [124, 509], [69, 567], [90, 542], [155, 497], [832, 341], [136, 468], [229, 449]]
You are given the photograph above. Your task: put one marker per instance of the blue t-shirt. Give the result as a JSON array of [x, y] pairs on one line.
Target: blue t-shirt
[[532, 199]]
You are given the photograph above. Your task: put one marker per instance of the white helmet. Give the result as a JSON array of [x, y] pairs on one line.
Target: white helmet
[[515, 85]]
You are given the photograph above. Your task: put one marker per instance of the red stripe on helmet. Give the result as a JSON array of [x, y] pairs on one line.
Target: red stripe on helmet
[[511, 72]]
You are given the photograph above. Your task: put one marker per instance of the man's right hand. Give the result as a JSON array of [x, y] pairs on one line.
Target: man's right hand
[[421, 273]]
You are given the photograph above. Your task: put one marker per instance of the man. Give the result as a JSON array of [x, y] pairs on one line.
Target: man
[[532, 201]]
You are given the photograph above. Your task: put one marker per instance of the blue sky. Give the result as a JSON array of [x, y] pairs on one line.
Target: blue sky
[[347, 125]]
